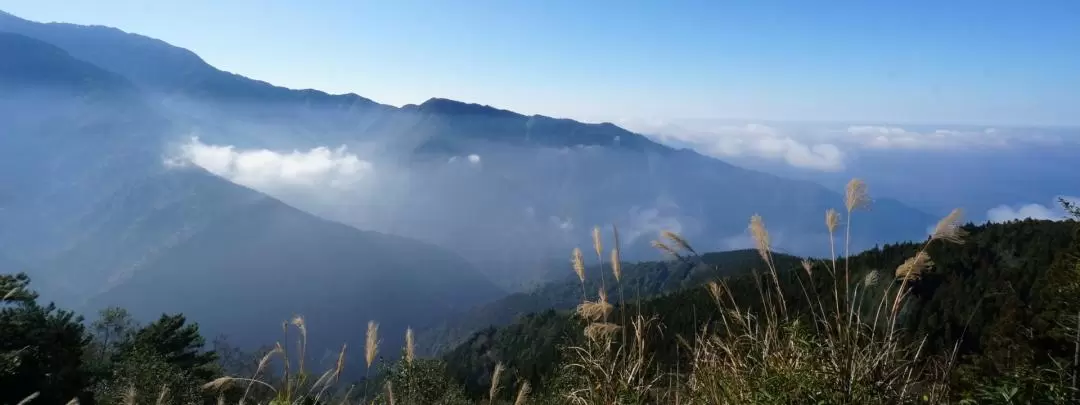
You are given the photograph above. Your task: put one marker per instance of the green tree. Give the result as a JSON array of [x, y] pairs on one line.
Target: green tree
[[176, 342], [41, 347], [112, 328], [149, 376]]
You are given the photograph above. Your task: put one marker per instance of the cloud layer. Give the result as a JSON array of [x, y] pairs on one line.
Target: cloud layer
[[887, 137], [1005, 213], [266, 169], [826, 147], [755, 140]]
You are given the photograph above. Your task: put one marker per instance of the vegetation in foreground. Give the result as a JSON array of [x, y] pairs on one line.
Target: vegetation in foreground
[[830, 331]]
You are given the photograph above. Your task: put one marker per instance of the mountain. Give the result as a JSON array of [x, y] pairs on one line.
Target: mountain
[[521, 187], [93, 205]]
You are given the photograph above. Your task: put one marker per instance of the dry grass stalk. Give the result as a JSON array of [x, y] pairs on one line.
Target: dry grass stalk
[[217, 383], [764, 247], [715, 290], [761, 237], [913, 267], [495, 376], [832, 219], [615, 235], [389, 392], [808, 267], [594, 311], [73, 401], [599, 248], [578, 261], [855, 195], [523, 393], [871, 278], [33, 396], [948, 228], [616, 266], [597, 245], [678, 241], [371, 344], [129, 396], [298, 322], [340, 366], [163, 395], [601, 331], [410, 346], [661, 246]]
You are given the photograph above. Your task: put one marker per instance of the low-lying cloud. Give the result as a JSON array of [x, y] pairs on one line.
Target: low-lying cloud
[[266, 169], [826, 147], [756, 140], [1005, 213], [887, 137]]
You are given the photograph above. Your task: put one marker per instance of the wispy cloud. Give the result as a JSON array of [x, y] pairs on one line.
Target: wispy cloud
[[1005, 213], [266, 169], [889, 137], [754, 140]]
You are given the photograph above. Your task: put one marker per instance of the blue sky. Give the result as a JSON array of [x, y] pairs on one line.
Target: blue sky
[[975, 62]]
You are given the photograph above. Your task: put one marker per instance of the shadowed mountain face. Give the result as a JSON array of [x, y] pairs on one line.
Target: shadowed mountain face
[[88, 201], [511, 193]]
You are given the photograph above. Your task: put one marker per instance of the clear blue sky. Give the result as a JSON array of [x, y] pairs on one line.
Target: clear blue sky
[[980, 62]]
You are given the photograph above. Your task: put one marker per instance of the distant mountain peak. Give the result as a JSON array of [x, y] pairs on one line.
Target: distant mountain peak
[[454, 107]]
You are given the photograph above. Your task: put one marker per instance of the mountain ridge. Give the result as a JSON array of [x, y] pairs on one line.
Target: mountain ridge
[[562, 173], [102, 219]]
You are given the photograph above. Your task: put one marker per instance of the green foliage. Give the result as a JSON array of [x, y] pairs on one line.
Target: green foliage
[[421, 382], [150, 375], [41, 348], [1071, 208], [176, 343], [163, 358]]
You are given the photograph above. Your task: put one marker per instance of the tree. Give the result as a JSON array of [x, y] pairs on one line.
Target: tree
[[113, 326], [177, 343], [41, 347], [13, 289], [1071, 207]]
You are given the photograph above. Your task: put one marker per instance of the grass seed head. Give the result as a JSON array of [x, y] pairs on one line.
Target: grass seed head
[[855, 195], [578, 260], [371, 346], [948, 228]]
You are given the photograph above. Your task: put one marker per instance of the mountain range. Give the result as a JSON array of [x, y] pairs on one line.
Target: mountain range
[[462, 201]]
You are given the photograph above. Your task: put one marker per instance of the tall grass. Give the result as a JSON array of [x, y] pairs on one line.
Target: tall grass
[[843, 348]]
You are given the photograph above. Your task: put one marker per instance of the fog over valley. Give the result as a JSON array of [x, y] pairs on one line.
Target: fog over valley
[[147, 191]]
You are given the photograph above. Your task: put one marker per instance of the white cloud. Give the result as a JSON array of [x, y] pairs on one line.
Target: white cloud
[[755, 140], [648, 222], [1005, 213], [473, 159], [886, 137], [262, 168], [563, 224]]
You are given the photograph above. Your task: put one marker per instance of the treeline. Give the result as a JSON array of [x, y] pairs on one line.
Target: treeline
[[1000, 310], [50, 356]]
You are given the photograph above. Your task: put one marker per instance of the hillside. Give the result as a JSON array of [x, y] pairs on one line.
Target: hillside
[[537, 181], [641, 279], [972, 294], [91, 204]]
